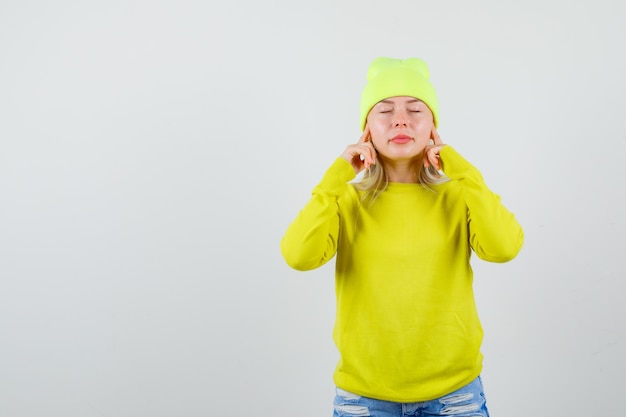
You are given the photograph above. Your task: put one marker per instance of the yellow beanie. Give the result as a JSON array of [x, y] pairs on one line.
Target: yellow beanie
[[389, 77]]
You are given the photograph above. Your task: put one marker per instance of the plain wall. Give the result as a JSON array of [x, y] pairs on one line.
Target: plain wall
[[152, 154]]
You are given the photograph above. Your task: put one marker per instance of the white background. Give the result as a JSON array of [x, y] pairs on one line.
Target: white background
[[152, 154]]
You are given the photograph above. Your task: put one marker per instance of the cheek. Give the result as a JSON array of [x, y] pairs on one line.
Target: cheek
[[377, 134], [374, 125], [378, 144], [424, 127]]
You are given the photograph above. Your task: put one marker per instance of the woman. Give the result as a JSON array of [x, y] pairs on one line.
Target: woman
[[402, 212]]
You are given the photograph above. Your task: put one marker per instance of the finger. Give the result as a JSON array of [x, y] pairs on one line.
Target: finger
[[372, 152], [436, 138], [432, 158], [367, 158], [365, 137], [366, 154]]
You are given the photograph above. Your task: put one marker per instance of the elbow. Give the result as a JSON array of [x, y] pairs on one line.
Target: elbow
[[305, 254], [295, 259], [505, 255], [297, 264], [505, 251]]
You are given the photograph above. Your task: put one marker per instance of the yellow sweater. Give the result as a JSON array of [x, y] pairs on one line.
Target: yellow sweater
[[407, 328]]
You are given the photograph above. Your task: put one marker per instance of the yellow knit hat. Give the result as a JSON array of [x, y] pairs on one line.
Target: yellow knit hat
[[389, 77]]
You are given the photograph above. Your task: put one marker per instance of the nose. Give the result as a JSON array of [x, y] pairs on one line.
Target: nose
[[400, 120]]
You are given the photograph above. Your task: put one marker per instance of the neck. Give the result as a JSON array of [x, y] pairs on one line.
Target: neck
[[402, 171]]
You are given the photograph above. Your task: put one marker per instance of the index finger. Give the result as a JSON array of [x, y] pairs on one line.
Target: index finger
[[436, 138], [365, 136]]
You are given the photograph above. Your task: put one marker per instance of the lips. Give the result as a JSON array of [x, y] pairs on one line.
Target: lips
[[400, 139]]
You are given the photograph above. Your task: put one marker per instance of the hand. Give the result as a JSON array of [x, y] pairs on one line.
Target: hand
[[362, 154], [431, 152]]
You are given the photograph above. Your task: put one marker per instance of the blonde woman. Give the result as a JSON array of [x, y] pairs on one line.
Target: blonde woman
[[403, 212]]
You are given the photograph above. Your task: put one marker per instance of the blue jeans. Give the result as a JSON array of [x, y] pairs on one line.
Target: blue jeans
[[468, 401]]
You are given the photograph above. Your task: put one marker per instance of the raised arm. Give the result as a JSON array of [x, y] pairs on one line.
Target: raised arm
[[494, 232], [311, 239]]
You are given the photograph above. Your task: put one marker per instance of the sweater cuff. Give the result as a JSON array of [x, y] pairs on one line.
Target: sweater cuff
[[336, 178], [456, 167]]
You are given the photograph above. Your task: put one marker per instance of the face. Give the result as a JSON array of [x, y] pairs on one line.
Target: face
[[400, 127]]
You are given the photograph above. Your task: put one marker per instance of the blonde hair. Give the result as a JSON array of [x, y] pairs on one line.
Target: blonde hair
[[374, 181]]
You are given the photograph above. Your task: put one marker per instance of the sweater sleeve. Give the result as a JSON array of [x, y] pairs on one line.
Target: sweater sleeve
[[494, 233], [311, 239]]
